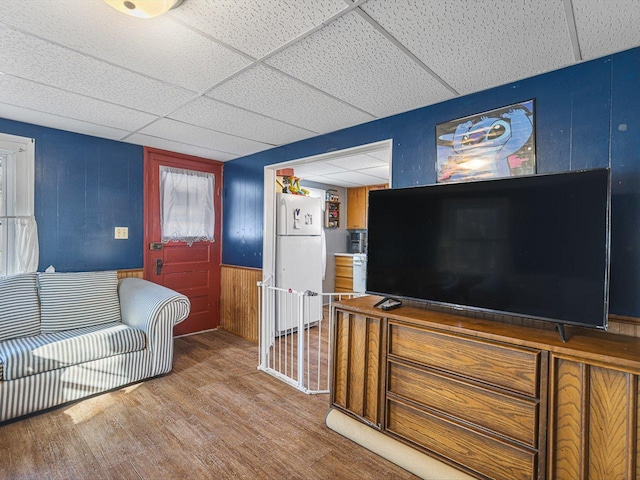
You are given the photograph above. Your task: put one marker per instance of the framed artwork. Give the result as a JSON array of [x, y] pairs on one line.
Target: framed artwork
[[497, 143]]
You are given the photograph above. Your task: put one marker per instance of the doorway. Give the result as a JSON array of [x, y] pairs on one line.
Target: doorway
[[189, 266], [269, 213]]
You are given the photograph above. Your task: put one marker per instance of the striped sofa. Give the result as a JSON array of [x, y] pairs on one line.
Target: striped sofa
[[65, 336]]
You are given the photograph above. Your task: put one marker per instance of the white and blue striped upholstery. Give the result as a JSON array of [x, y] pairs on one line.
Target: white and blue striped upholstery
[[31, 355], [148, 309], [154, 309], [19, 306], [76, 300]]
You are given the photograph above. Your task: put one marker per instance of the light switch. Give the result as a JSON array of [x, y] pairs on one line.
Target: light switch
[[121, 233]]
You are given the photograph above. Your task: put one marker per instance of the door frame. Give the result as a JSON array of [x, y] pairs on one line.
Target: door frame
[[269, 203]]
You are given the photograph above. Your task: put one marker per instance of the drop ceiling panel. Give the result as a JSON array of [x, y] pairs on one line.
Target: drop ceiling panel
[[379, 172], [37, 60], [215, 115], [316, 168], [474, 45], [357, 162], [256, 27], [606, 27], [202, 137], [354, 62], [148, 46], [179, 147], [271, 93], [337, 181], [36, 117], [355, 177], [34, 96]]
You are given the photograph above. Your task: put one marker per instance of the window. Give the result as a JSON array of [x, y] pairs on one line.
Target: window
[[18, 231], [186, 205]]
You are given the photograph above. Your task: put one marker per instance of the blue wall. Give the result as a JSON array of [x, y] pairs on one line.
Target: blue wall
[[85, 186], [586, 116]]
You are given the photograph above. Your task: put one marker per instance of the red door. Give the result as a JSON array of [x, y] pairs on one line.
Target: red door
[[191, 270]]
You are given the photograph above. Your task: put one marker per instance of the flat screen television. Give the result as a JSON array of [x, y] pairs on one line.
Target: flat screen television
[[533, 246]]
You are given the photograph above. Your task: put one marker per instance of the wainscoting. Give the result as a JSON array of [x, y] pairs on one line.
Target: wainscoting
[[135, 273], [239, 301], [239, 305]]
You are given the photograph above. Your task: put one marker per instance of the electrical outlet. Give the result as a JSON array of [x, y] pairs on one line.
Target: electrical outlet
[[121, 233]]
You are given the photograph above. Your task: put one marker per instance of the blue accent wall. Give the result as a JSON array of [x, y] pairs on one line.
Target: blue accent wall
[[84, 187], [586, 117]]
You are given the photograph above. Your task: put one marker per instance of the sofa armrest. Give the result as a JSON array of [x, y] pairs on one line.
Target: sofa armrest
[[155, 310]]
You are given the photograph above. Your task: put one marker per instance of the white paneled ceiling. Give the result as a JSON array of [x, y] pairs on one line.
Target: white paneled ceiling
[[222, 79]]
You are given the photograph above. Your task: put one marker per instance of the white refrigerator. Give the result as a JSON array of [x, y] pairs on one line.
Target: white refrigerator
[[299, 256]]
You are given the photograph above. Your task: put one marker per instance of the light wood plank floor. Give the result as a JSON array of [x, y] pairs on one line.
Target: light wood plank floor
[[215, 416]]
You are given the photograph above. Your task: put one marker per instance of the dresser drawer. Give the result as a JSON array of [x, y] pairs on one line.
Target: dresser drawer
[[511, 367], [505, 414], [342, 271], [344, 261], [344, 284], [477, 451]]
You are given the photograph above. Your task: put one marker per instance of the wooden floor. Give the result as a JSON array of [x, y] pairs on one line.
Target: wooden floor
[[215, 416]]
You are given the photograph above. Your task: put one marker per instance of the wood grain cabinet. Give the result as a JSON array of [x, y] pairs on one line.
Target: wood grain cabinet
[[495, 400], [344, 274], [358, 362], [358, 205], [472, 402]]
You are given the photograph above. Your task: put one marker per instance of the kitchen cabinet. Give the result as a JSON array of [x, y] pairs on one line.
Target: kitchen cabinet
[[358, 205], [344, 274]]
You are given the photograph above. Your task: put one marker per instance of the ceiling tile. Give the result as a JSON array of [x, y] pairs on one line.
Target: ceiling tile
[[337, 181], [21, 114], [354, 177], [316, 168], [202, 137], [380, 172], [23, 93], [357, 162], [34, 59], [354, 62], [256, 27], [473, 45], [179, 147], [606, 27], [215, 115], [148, 46], [266, 91]]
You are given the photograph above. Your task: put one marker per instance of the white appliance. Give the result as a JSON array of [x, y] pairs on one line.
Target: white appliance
[[298, 257], [359, 273]]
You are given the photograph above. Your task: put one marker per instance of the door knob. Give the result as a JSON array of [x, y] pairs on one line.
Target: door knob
[[158, 266]]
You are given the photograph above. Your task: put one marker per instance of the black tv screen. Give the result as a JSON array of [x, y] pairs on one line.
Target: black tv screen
[[535, 246]]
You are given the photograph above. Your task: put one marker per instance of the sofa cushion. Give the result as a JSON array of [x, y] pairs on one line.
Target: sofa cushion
[[19, 307], [76, 300], [25, 356]]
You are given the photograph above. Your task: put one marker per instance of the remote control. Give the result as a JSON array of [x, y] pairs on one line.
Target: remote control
[[390, 305]]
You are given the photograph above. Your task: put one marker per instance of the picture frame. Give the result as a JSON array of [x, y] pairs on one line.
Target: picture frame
[[492, 144]]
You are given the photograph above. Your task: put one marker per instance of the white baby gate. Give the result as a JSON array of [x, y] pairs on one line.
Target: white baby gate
[[295, 336]]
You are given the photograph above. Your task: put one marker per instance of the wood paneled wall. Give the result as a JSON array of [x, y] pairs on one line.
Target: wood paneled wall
[[135, 273], [239, 301]]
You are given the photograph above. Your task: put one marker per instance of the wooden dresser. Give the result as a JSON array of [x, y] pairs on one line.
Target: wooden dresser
[[495, 400]]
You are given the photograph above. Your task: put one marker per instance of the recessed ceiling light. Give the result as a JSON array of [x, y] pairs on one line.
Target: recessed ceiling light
[[144, 8]]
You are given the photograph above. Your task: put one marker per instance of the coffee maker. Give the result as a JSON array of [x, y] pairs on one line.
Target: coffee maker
[[358, 241]]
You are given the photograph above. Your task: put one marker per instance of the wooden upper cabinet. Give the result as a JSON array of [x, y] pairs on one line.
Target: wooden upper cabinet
[[357, 208], [358, 205]]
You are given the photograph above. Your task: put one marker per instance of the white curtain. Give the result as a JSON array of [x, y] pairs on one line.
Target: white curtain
[[18, 229], [186, 205], [27, 252]]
